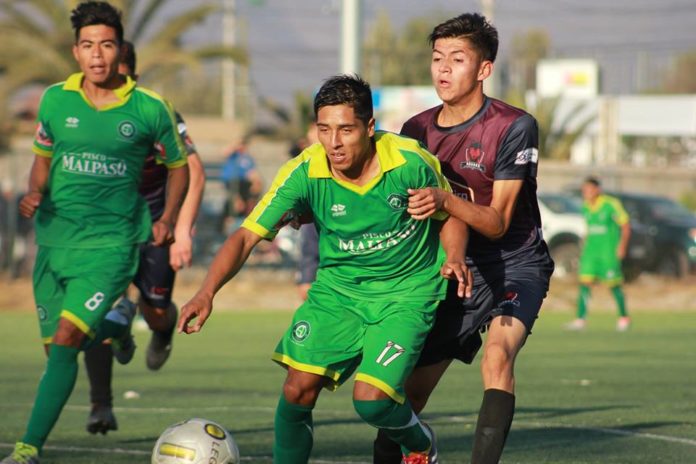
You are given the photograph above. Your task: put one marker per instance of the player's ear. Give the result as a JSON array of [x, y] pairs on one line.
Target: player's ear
[[371, 127], [485, 70], [74, 52]]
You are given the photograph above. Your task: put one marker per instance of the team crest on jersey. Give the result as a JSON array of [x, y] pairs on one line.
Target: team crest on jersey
[[474, 157], [41, 311], [126, 129], [397, 201], [300, 331]]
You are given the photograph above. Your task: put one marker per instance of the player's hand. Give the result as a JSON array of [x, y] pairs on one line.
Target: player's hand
[[29, 204], [162, 233], [180, 251], [423, 203], [199, 308], [460, 272]]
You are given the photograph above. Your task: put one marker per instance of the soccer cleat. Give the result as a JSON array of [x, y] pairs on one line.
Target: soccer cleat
[[577, 324], [623, 324], [101, 420], [124, 346], [161, 342], [22, 454], [425, 457]]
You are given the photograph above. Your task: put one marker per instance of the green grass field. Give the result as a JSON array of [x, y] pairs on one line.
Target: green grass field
[[590, 397]]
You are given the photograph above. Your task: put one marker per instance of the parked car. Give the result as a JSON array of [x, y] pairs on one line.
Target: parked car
[[564, 228], [669, 232]]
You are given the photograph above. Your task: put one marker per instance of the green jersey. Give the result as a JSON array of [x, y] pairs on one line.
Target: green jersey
[[369, 246], [604, 220], [97, 157]]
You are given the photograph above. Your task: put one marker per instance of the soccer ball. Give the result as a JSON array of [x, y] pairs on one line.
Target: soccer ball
[[195, 441]]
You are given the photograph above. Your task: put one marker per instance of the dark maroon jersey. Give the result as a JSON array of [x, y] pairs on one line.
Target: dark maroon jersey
[[153, 184], [500, 142]]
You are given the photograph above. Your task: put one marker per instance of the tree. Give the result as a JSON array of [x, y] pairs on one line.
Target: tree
[[398, 58], [526, 51], [37, 42], [558, 133]]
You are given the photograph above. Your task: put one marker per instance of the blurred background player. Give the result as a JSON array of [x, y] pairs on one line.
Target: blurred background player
[[156, 271], [488, 150], [379, 278], [606, 242], [94, 132], [243, 183]]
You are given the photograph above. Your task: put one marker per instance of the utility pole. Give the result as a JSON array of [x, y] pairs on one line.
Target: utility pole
[[229, 39], [490, 85], [350, 36]]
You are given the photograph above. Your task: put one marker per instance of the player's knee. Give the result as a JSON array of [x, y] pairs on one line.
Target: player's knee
[[299, 389], [374, 412], [497, 360]]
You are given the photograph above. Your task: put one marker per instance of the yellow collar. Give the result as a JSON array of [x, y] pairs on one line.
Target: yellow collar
[[388, 156], [123, 93]]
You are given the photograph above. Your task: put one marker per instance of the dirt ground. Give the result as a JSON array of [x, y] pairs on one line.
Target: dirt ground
[[270, 289]]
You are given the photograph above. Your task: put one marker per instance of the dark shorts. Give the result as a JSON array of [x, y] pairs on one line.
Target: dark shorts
[[514, 288], [155, 277]]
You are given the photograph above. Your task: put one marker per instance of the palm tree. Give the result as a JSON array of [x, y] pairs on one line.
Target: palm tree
[[37, 41], [557, 136]]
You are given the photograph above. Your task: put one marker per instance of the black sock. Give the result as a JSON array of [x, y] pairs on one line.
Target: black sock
[[99, 360], [494, 420], [385, 451]]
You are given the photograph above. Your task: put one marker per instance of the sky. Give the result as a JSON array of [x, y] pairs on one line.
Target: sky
[[294, 44]]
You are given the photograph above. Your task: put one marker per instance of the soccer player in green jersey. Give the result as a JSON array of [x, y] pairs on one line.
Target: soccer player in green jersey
[[608, 232], [379, 278], [94, 132], [156, 272]]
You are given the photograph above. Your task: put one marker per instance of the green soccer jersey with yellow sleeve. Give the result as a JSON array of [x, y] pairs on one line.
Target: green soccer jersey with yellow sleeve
[[369, 246], [97, 157]]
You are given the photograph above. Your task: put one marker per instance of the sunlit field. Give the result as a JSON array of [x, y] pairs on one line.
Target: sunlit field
[[591, 397]]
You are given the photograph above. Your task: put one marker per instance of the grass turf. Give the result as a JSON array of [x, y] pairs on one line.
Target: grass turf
[[591, 397]]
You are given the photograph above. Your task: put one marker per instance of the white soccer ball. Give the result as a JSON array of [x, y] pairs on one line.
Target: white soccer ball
[[195, 441]]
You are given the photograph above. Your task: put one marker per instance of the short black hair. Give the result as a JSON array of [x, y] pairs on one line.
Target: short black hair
[[346, 89], [96, 13], [473, 27], [592, 180], [128, 57]]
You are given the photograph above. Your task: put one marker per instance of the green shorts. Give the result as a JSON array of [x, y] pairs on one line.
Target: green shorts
[[603, 267], [80, 284], [335, 336]]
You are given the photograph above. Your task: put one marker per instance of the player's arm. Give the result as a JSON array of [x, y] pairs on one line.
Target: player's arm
[[38, 178], [516, 160], [180, 251], [172, 152], [492, 221], [623, 242], [227, 262], [454, 237], [177, 184], [622, 219]]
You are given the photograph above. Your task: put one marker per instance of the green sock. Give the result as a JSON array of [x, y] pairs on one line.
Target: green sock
[[398, 421], [55, 386], [618, 293], [583, 298], [294, 435], [106, 329]]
